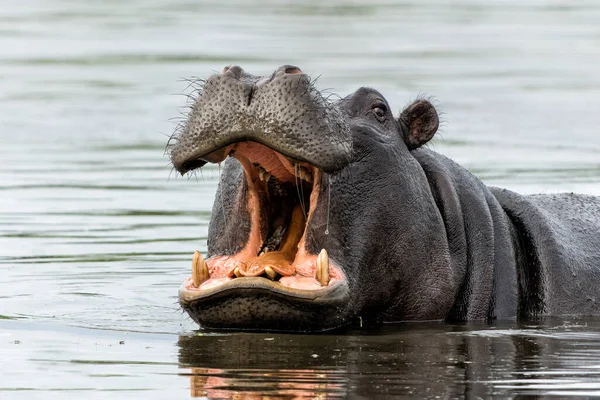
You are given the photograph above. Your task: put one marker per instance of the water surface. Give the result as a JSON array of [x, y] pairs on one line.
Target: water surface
[[97, 233]]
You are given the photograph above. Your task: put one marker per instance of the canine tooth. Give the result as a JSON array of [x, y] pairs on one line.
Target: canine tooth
[[323, 268], [270, 273], [200, 272], [237, 272]]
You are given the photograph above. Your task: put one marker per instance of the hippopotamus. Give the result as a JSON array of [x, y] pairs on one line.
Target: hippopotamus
[[331, 214]]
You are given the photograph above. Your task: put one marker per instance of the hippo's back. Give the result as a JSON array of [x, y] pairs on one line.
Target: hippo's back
[[560, 243]]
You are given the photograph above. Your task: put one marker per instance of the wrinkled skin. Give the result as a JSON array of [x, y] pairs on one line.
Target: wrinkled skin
[[410, 234]]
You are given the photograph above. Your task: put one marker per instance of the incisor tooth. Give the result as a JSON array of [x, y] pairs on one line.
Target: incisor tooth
[[270, 273], [323, 268], [200, 272]]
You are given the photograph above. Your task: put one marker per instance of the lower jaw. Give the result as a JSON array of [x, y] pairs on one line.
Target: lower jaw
[[260, 304], [292, 303]]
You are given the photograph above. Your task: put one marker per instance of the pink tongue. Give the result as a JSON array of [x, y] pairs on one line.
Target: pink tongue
[[257, 268], [249, 269]]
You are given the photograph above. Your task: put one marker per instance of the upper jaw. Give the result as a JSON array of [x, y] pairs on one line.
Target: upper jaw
[[284, 112]]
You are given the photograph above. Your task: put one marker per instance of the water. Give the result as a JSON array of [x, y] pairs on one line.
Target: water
[[96, 233]]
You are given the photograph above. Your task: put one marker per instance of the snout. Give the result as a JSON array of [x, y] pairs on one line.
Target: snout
[[283, 111]]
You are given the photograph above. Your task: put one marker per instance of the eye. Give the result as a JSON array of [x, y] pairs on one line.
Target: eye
[[379, 109]]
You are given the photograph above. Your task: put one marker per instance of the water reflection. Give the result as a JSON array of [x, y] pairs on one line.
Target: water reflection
[[214, 383], [424, 360]]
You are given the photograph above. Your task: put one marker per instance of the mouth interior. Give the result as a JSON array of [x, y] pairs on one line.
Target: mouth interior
[[281, 197]]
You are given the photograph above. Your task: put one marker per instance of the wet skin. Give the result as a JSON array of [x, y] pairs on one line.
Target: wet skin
[[329, 214]]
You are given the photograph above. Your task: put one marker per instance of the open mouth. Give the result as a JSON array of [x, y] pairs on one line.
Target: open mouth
[[281, 197]]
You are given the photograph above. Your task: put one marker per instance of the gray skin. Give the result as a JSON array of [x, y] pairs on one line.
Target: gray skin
[[417, 236]]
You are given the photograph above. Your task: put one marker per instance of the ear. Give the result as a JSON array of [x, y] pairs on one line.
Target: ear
[[422, 122]]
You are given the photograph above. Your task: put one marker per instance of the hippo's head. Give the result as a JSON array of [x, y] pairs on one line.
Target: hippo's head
[[322, 213]]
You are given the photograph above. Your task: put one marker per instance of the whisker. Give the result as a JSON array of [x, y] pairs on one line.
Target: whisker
[[328, 203], [300, 195], [223, 210]]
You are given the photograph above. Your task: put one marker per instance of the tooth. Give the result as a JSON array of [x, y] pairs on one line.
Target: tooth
[[270, 273], [303, 173], [200, 272], [323, 268], [263, 175], [237, 272]]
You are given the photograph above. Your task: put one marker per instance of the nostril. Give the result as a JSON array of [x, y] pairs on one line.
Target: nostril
[[292, 70], [233, 70], [287, 70]]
